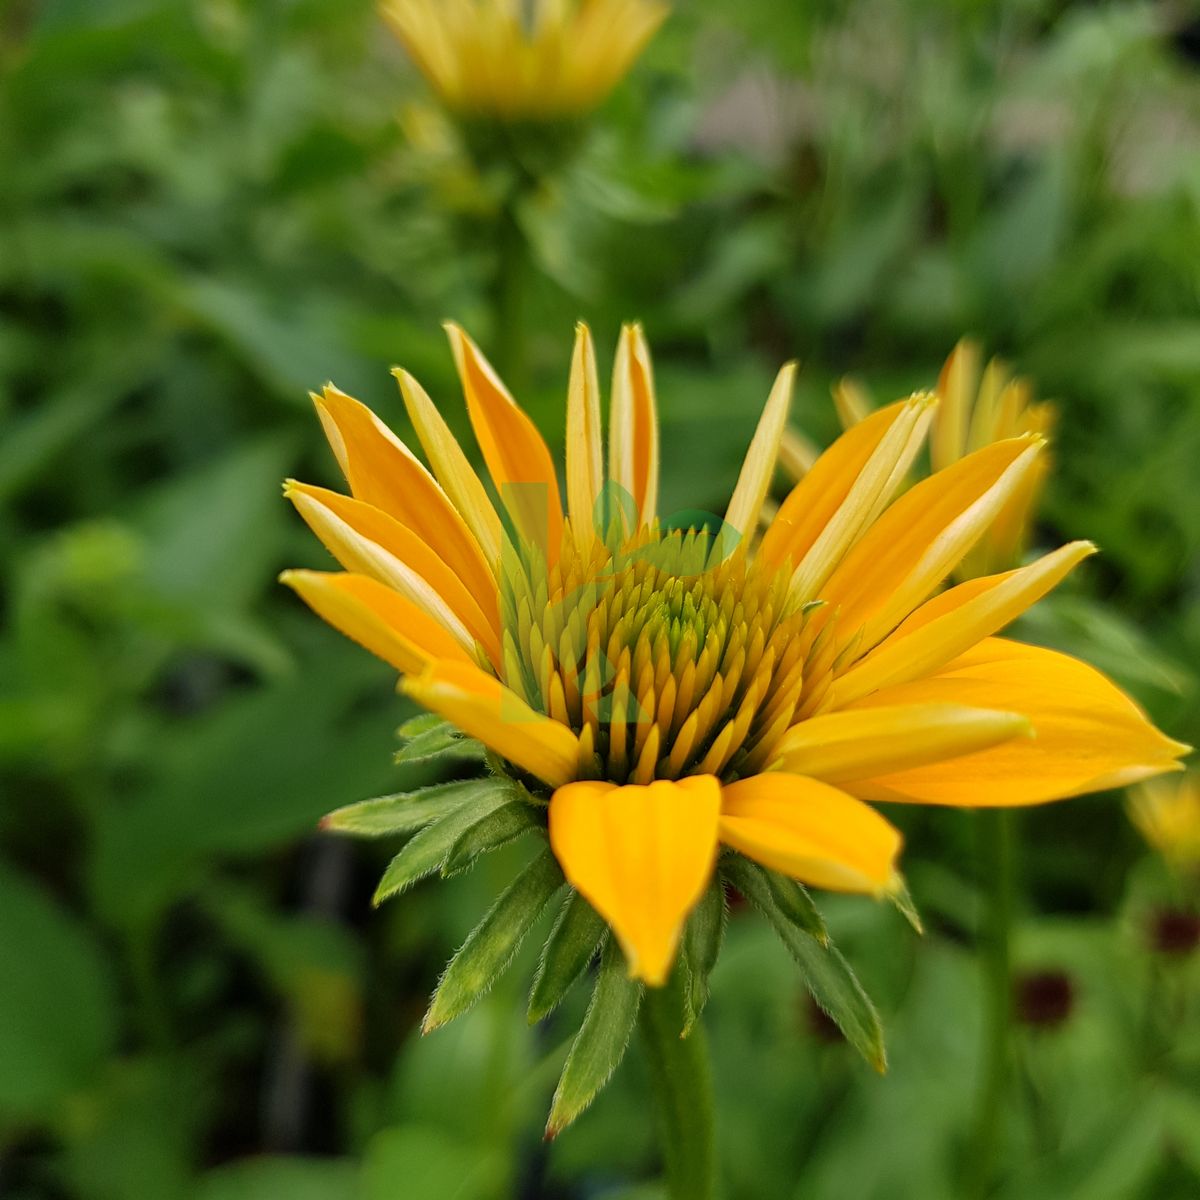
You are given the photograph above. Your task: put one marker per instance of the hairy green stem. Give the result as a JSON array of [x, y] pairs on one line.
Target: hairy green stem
[[997, 855], [682, 1082]]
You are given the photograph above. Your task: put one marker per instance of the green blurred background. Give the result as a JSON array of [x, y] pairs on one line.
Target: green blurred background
[[208, 207]]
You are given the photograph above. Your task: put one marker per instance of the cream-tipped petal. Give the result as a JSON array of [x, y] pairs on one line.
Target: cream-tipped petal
[[484, 708], [377, 618], [841, 746], [365, 540], [517, 457], [951, 623], [641, 856], [810, 831], [454, 472], [585, 466], [1088, 735], [382, 471], [759, 464], [919, 540], [633, 424]]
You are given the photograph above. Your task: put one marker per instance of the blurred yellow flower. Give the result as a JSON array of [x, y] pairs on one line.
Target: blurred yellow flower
[[516, 60], [673, 688], [1167, 814]]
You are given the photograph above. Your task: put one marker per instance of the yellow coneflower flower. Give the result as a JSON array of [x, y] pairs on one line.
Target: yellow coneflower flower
[[670, 691], [976, 408], [1167, 814], [516, 60]]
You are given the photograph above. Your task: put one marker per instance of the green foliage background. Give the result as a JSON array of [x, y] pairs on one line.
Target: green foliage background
[[208, 207]]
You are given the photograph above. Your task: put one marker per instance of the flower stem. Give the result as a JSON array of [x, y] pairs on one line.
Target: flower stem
[[508, 292], [997, 854], [682, 1083]]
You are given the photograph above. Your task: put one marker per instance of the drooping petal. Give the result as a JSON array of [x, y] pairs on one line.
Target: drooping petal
[[811, 504], [585, 467], [516, 454], [451, 467], [856, 745], [919, 540], [755, 477], [482, 707], [377, 618], [950, 624], [633, 424], [1088, 735], [365, 540], [382, 471], [810, 831], [641, 856]]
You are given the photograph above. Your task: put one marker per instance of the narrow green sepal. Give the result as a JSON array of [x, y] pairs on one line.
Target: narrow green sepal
[[401, 812], [601, 1041], [827, 975], [578, 933], [429, 849], [422, 723], [439, 740], [497, 829], [702, 938], [902, 900], [790, 897], [492, 944]]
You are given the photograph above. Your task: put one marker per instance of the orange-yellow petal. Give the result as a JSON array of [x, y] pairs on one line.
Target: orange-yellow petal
[[482, 707], [377, 618], [950, 624], [641, 856], [365, 540], [1088, 735], [759, 465], [516, 455], [812, 503], [841, 746], [919, 540], [810, 831], [454, 472], [382, 470], [633, 424]]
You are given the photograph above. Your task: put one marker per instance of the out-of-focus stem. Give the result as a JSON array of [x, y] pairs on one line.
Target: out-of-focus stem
[[997, 856]]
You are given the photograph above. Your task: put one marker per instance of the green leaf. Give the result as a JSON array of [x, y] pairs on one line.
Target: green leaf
[[423, 722], [827, 975], [430, 848], [497, 829], [271, 1178], [601, 1042], [401, 812], [902, 901], [578, 932], [57, 1006], [702, 940], [440, 740], [423, 1162], [491, 945]]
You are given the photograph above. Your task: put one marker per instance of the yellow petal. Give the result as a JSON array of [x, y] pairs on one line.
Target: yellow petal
[[950, 624], [876, 484], [585, 468], [382, 471], [840, 746], [516, 455], [451, 467], [911, 549], [633, 424], [482, 707], [957, 386], [810, 831], [641, 856], [377, 618], [1088, 735], [759, 465], [812, 502], [365, 540]]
